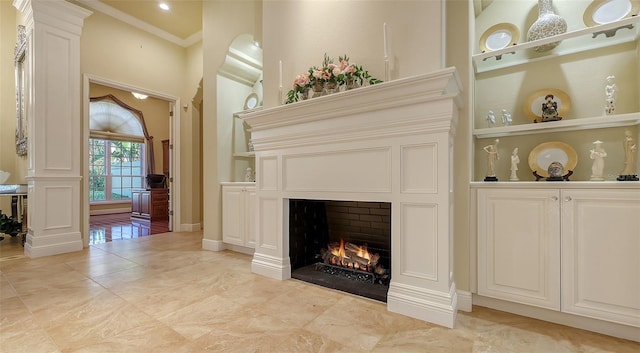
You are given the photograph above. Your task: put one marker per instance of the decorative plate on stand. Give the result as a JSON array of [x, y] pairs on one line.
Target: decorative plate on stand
[[606, 11], [533, 104], [548, 152], [499, 36]]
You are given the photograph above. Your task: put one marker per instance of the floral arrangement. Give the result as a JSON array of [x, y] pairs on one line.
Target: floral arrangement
[[329, 78]]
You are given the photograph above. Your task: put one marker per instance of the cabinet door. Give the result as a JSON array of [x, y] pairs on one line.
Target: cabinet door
[[145, 203], [233, 215], [250, 222], [135, 203], [519, 246], [601, 254]]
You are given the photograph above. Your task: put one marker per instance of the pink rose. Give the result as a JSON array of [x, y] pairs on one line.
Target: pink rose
[[336, 71], [344, 64], [350, 69], [301, 80]]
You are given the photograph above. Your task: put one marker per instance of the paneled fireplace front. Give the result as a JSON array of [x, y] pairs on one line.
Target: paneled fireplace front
[[391, 142]]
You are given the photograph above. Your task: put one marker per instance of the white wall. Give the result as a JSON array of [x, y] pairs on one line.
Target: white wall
[[116, 51], [300, 32]]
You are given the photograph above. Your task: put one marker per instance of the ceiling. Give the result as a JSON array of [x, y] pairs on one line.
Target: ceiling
[[182, 24]]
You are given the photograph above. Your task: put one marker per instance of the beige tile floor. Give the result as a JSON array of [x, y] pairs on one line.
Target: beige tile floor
[[164, 294]]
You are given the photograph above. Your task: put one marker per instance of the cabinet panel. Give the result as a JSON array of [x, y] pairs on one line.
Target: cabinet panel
[[238, 223], [251, 223], [519, 246], [145, 202], [600, 254], [232, 220]]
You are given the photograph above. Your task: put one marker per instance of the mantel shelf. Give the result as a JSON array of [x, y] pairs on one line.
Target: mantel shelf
[[597, 122], [503, 58]]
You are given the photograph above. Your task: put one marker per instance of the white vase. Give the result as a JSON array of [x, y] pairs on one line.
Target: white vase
[[548, 24]]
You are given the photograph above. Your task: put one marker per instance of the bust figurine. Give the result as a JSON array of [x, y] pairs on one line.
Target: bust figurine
[[506, 117], [248, 175], [550, 109], [491, 118]]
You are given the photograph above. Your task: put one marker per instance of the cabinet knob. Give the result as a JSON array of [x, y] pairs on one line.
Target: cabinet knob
[[554, 198], [567, 198]]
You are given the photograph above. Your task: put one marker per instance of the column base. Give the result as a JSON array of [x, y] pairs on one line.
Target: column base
[[47, 245], [423, 304]]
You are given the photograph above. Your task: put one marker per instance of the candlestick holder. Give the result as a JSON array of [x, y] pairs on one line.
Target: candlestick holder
[[387, 69]]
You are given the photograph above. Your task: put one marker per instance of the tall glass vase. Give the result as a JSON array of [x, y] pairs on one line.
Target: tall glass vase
[[548, 24]]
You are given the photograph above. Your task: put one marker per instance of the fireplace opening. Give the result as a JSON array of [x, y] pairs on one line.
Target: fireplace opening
[[344, 245]]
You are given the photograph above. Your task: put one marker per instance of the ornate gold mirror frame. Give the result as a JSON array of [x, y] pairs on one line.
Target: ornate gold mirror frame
[[21, 113]]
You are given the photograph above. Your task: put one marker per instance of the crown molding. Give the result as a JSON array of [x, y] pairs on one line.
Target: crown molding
[[133, 21]]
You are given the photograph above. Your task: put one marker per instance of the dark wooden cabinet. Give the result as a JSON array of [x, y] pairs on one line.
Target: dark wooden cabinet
[[150, 204]]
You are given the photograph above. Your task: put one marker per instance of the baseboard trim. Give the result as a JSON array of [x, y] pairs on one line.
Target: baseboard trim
[[49, 245], [581, 322], [465, 300], [213, 245], [110, 211], [423, 304], [270, 266], [190, 227]]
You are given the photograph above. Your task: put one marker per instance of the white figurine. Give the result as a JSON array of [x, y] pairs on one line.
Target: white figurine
[[248, 175], [597, 154], [514, 164], [491, 118], [492, 157], [506, 118], [610, 91], [629, 154]]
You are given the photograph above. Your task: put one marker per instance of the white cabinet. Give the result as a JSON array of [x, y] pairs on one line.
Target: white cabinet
[[238, 210], [572, 250], [519, 246], [601, 254]]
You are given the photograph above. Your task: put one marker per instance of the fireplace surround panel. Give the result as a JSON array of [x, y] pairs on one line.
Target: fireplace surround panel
[[390, 143]]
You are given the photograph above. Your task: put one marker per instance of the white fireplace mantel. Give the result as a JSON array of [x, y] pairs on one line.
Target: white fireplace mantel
[[390, 142]]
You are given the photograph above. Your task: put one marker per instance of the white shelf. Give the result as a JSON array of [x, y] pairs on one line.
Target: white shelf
[[244, 154], [579, 40], [597, 122]]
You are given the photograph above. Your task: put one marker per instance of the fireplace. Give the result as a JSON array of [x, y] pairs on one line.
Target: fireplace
[[344, 245], [390, 143]]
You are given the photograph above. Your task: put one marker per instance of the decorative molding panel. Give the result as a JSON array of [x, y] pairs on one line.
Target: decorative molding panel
[[269, 225], [59, 204], [366, 170], [268, 174], [418, 242], [419, 169]]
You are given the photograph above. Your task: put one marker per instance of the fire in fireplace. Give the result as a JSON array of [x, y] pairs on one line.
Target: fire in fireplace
[[343, 245], [351, 256]]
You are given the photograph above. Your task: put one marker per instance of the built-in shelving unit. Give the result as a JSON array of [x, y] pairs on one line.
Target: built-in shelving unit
[[597, 122], [553, 232], [584, 39]]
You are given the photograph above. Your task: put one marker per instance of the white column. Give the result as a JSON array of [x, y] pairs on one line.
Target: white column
[[53, 102]]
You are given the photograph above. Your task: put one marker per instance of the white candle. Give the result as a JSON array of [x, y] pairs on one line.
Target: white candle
[[386, 43], [280, 66]]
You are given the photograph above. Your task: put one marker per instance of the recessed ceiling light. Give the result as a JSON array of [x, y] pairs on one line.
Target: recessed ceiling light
[[139, 95], [164, 6]]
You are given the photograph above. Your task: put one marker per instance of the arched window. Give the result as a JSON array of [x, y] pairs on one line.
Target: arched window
[[118, 150]]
